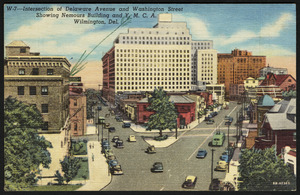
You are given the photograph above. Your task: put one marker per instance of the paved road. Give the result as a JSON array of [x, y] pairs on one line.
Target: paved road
[[178, 159]]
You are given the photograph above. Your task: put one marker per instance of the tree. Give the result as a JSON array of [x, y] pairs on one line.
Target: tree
[[91, 100], [262, 170], [165, 116], [24, 149], [59, 178], [70, 166]]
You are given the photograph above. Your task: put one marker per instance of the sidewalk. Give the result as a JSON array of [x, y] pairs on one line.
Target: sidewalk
[[99, 175]]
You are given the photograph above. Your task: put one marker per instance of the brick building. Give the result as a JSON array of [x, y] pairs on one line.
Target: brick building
[[238, 66], [285, 82], [279, 126], [77, 109], [184, 106], [38, 80]]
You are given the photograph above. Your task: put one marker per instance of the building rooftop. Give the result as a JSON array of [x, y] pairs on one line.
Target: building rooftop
[[17, 44], [173, 98], [266, 100]]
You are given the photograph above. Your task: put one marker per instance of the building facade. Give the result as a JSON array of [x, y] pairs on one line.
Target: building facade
[[162, 56], [218, 92], [184, 106], [234, 68], [278, 71], [285, 82], [38, 80], [77, 109]]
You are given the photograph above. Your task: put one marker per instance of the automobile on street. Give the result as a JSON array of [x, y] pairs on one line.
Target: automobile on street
[[221, 166], [157, 167], [119, 144], [151, 150], [201, 153], [115, 138], [215, 185], [116, 170], [112, 129], [131, 138], [190, 182]]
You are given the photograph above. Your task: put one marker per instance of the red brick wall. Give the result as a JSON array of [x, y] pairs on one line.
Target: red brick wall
[[285, 86]]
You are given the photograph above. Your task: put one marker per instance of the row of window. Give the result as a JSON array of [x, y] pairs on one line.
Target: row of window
[[132, 65], [150, 60], [157, 42], [149, 87], [154, 51], [32, 90], [149, 74], [150, 83], [35, 71], [150, 69], [155, 38], [34, 63], [157, 32], [153, 56]]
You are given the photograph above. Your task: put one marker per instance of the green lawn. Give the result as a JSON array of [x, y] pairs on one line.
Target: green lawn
[[81, 146], [54, 188], [84, 169]]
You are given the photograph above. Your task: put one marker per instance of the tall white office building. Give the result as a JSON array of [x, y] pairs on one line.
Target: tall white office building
[[162, 56]]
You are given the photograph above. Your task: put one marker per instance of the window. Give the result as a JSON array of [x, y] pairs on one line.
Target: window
[[75, 127], [35, 71], [294, 136], [20, 90], [75, 102], [45, 126], [44, 108], [22, 50], [21, 71], [44, 90], [32, 90], [144, 117], [49, 71]]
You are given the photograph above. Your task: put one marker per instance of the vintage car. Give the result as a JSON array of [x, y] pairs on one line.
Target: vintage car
[[126, 125], [108, 153], [111, 157], [116, 170], [221, 166], [112, 163], [115, 138], [111, 129], [151, 150], [227, 117], [190, 182], [225, 158], [106, 126], [118, 119], [119, 144], [131, 138], [215, 185], [157, 167], [210, 121], [201, 153]]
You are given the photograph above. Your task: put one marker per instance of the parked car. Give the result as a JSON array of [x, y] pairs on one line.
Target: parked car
[[101, 120], [227, 117], [116, 170], [115, 138], [190, 182], [112, 163], [112, 129], [221, 166], [99, 108], [224, 157], [119, 144], [118, 119], [126, 125], [207, 117], [108, 153], [104, 142], [131, 138], [201, 153], [215, 185], [151, 150], [210, 121], [157, 167], [111, 157]]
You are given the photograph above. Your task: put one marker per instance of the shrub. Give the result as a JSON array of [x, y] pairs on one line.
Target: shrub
[[77, 147]]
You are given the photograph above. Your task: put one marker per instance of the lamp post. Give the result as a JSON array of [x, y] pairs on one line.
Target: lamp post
[[176, 129], [212, 164], [228, 146]]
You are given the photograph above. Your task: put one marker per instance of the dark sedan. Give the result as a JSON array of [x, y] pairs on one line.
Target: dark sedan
[[201, 153], [190, 182]]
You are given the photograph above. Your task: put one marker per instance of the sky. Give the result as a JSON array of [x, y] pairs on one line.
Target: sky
[[264, 29]]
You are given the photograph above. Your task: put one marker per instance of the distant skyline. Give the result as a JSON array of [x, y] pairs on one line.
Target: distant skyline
[[264, 29]]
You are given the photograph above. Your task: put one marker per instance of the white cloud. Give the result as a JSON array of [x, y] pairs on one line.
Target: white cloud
[[240, 36], [49, 27], [273, 30], [269, 50]]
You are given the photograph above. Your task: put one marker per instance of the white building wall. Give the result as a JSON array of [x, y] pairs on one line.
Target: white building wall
[[206, 67]]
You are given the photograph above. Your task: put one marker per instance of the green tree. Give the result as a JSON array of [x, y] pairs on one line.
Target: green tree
[[262, 170], [59, 178], [91, 100], [165, 113], [24, 149], [70, 166]]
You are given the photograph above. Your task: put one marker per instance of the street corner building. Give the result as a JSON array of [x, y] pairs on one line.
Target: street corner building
[[163, 56], [38, 80]]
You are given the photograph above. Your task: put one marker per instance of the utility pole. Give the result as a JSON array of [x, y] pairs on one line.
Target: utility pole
[[97, 120], [228, 147], [176, 130], [212, 164], [238, 123]]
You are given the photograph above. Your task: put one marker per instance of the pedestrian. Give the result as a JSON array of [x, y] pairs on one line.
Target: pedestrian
[[90, 146], [93, 145], [92, 156]]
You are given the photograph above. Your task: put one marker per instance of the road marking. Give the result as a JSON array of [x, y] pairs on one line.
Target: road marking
[[202, 135], [210, 135], [162, 188]]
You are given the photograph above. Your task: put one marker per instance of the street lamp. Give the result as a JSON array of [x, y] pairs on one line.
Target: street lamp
[[228, 146], [212, 164]]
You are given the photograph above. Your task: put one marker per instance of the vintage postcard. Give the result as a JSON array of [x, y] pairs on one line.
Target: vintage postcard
[[149, 97]]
